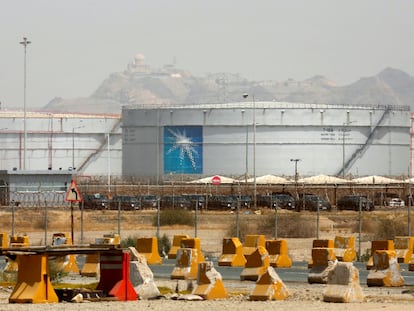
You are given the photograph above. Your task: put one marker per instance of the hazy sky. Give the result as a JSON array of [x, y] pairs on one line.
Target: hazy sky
[[76, 44]]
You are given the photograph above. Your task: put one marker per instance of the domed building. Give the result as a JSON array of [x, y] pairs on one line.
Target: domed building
[[138, 65]]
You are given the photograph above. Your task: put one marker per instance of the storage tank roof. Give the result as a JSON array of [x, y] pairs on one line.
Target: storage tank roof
[[264, 105], [45, 114]]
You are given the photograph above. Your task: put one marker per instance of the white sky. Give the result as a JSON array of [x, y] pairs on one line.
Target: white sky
[[77, 44]]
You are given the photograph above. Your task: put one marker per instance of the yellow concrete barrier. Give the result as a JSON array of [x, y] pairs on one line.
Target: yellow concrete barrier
[[385, 270], [186, 265], [343, 284], [269, 287], [149, 248], [16, 241], [379, 245], [321, 244], [110, 238], [193, 243], [66, 263], [252, 242], [278, 253], [232, 253], [176, 244], [209, 282], [19, 241], [91, 267], [344, 248], [404, 247], [61, 238], [33, 281], [256, 265], [323, 261], [4, 240]]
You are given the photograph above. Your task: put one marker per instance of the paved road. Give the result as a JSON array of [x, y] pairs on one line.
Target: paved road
[[297, 273]]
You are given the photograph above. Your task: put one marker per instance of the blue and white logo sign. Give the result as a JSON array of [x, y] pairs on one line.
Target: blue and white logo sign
[[183, 149]]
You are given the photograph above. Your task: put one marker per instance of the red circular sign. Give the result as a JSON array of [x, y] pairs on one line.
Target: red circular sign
[[216, 180]]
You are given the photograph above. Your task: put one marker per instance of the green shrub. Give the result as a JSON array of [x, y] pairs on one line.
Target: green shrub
[[9, 277], [170, 217], [365, 256], [129, 241], [164, 245], [56, 271]]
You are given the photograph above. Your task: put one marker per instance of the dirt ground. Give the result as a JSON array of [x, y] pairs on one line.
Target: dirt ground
[[211, 229], [301, 297]]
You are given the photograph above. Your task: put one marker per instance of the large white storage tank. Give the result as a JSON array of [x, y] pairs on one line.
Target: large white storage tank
[[263, 137], [88, 144]]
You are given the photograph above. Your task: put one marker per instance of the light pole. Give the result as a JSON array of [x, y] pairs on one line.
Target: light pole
[[296, 175], [410, 202], [245, 95], [276, 207], [109, 165], [343, 150], [247, 148], [359, 228], [25, 43]]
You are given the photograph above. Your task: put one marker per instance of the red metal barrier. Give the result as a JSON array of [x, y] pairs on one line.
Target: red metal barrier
[[114, 276]]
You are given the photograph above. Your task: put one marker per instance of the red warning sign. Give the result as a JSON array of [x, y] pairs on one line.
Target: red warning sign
[[73, 194], [216, 180]]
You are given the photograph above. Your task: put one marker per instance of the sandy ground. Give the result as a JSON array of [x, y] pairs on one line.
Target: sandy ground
[[301, 295]]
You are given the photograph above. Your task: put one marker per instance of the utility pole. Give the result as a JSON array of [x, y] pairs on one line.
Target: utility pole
[[296, 175], [245, 95], [25, 43]]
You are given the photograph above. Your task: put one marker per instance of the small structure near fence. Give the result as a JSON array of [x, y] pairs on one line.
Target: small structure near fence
[[34, 188]]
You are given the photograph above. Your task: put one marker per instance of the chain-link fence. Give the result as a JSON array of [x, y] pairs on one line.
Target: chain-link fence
[[56, 197]]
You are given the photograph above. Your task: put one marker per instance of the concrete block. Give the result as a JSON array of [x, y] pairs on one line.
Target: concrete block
[[141, 276], [232, 253], [252, 242], [176, 244], [33, 281], [66, 263], [379, 245], [91, 267], [324, 260], [193, 243], [385, 270], [343, 284], [327, 243], [256, 265], [269, 287], [209, 282], [16, 241], [4, 240], [278, 253], [344, 248], [186, 265], [149, 248], [404, 247]]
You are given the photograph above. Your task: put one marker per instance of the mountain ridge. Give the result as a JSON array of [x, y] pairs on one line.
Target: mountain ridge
[[140, 84]]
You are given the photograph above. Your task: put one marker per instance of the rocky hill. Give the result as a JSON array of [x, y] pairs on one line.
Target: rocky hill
[[140, 84]]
